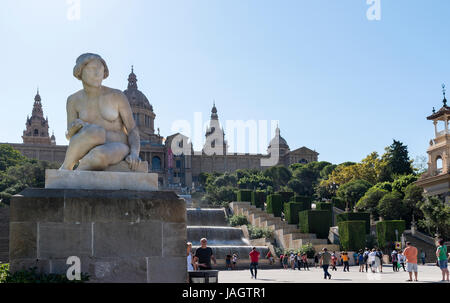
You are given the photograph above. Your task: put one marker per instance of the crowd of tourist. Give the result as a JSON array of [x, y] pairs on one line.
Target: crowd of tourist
[[366, 260]]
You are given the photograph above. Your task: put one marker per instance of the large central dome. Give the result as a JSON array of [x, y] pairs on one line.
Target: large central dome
[[135, 96], [142, 109]]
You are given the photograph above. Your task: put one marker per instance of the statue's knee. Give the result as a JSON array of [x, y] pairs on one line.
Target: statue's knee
[[95, 134], [95, 159]]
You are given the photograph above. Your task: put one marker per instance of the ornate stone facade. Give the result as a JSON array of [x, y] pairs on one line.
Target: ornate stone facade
[[172, 169]]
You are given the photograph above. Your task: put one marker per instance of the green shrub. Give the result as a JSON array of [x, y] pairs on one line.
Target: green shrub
[[286, 196], [315, 221], [255, 232], [258, 198], [305, 199], [324, 206], [352, 234], [244, 195], [386, 232], [274, 205], [291, 210], [338, 203], [32, 276], [237, 220], [355, 217]]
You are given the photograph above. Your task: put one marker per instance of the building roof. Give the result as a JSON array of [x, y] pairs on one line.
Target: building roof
[[444, 110]]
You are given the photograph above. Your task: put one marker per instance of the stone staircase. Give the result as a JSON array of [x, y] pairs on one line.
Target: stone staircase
[[287, 236]]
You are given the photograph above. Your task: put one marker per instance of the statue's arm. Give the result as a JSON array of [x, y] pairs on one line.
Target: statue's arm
[[73, 123], [133, 132]]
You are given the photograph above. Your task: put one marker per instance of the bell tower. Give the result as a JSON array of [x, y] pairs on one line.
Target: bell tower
[[36, 127], [436, 180]]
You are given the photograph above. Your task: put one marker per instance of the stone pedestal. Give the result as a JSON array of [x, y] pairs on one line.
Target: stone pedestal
[[119, 236], [75, 179]]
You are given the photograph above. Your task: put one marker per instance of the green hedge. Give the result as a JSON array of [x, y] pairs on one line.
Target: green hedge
[[386, 231], [324, 206], [315, 221], [286, 196], [258, 198], [352, 235], [305, 200], [274, 205], [291, 210], [244, 195], [355, 217]]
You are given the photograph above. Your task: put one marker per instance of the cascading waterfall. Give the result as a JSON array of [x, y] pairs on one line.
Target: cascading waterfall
[[211, 223]]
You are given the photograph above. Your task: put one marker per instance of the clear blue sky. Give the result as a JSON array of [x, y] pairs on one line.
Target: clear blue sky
[[338, 83]]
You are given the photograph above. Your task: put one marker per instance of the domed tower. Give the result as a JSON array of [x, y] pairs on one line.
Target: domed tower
[[36, 127], [278, 143], [215, 136], [142, 109]]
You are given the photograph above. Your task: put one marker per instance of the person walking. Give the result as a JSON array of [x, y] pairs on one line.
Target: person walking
[[441, 254], [423, 255], [380, 259], [355, 257], [285, 261], [270, 257], [401, 259], [394, 258], [204, 255], [305, 261], [361, 261], [345, 261], [333, 261], [254, 258], [324, 262], [410, 252], [292, 260], [316, 260], [366, 257], [372, 260], [297, 261]]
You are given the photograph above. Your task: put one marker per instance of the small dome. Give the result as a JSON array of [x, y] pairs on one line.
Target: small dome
[[278, 141]]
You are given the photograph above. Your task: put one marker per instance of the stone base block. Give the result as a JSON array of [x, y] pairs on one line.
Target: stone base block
[[100, 180], [119, 236]]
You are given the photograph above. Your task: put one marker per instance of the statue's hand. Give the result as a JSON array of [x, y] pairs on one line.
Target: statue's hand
[[133, 161], [76, 125]]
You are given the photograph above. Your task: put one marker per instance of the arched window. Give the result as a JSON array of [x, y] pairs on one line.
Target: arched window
[[36, 132], [439, 165], [156, 163]]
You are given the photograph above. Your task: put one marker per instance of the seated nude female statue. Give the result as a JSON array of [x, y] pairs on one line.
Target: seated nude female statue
[[100, 124]]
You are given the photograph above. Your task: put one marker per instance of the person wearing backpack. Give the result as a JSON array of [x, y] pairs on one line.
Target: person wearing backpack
[[394, 258], [441, 254], [366, 257], [361, 261], [380, 257]]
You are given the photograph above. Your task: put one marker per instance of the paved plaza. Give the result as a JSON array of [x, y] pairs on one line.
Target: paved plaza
[[427, 274]]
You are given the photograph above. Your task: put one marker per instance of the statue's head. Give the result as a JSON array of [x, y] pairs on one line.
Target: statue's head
[[91, 69]]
